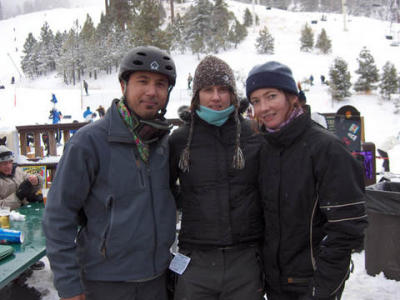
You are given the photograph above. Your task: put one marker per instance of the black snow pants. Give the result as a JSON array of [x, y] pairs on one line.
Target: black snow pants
[[222, 274]]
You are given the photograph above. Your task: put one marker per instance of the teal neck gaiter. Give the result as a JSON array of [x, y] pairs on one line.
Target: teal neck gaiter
[[214, 117]]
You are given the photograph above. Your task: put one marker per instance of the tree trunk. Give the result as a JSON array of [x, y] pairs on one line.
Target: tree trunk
[[172, 11]]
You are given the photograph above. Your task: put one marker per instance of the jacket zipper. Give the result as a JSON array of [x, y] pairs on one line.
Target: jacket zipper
[[341, 283], [312, 252], [314, 265], [106, 231], [154, 217]]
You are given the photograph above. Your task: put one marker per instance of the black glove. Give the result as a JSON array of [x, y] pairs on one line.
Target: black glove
[[24, 189], [184, 113], [243, 105], [34, 197]]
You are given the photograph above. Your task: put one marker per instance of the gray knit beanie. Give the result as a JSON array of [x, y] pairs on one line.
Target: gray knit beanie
[[271, 75], [213, 71]]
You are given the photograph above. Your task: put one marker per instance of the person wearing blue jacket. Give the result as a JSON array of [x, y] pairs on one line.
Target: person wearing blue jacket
[[87, 114], [110, 217]]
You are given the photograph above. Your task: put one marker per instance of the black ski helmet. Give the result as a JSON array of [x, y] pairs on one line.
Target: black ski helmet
[[147, 58]]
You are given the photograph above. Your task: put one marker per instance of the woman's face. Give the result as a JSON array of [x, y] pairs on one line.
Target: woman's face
[[271, 107], [216, 97]]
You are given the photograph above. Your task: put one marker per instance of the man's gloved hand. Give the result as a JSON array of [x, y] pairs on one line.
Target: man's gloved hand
[[24, 189]]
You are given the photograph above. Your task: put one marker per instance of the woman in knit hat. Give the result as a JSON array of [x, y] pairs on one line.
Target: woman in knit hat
[[215, 156], [312, 191]]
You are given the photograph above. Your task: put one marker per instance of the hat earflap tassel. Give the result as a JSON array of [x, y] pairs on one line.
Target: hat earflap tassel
[[238, 159], [184, 160]]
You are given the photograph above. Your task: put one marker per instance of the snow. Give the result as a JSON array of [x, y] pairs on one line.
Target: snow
[[28, 102]]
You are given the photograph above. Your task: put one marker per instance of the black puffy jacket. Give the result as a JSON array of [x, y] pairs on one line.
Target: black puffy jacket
[[314, 207], [220, 205]]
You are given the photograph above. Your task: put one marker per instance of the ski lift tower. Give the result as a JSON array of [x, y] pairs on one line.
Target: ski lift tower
[[344, 12], [393, 16]]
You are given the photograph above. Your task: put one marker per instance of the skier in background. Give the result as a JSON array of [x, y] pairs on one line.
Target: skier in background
[[86, 86], [189, 81], [88, 114]]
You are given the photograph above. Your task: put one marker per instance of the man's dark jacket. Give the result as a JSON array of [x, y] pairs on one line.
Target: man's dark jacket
[[220, 205], [314, 207]]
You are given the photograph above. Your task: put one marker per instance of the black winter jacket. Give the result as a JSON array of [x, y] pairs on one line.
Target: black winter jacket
[[314, 207], [220, 205]]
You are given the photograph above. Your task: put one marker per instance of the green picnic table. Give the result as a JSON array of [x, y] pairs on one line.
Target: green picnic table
[[31, 250]]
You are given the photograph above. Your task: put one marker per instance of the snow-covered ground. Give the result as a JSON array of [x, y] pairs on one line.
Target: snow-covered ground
[[28, 102]]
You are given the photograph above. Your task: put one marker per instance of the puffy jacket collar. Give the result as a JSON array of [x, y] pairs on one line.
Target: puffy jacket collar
[[289, 133]]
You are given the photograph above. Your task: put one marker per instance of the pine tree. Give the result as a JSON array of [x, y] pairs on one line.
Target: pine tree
[[71, 61], [46, 58], [59, 39], [265, 42], [306, 39], [389, 81], [237, 33], [323, 42], [100, 49], [248, 18], [197, 28], [309, 5], [146, 26], [368, 72], [29, 62], [219, 25], [87, 37], [176, 30], [121, 12], [339, 79]]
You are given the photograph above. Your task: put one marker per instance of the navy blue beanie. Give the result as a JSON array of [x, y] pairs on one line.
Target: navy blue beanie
[[271, 75]]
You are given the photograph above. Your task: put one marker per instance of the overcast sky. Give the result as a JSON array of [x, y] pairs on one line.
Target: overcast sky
[[10, 6]]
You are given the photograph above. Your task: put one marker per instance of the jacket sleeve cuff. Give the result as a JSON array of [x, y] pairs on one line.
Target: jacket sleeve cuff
[[70, 291]]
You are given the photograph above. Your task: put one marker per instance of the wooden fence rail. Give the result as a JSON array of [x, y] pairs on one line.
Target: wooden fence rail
[[51, 130]]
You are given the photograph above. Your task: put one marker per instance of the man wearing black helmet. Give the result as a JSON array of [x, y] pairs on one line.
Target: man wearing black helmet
[[113, 183]]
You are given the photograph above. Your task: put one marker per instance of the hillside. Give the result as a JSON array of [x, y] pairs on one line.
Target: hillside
[[285, 27]]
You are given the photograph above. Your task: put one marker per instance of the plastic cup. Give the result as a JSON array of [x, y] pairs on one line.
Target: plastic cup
[[5, 218], [44, 194]]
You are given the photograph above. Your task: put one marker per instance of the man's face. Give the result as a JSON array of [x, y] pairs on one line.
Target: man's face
[[216, 97], [6, 167], [146, 93]]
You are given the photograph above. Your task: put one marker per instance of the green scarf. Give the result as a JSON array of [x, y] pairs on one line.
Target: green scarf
[[144, 149]]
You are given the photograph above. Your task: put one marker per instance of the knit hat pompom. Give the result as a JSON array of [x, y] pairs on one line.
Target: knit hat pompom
[[271, 75], [213, 71]]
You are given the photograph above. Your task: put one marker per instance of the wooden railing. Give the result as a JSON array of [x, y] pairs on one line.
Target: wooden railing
[[37, 132], [51, 130]]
